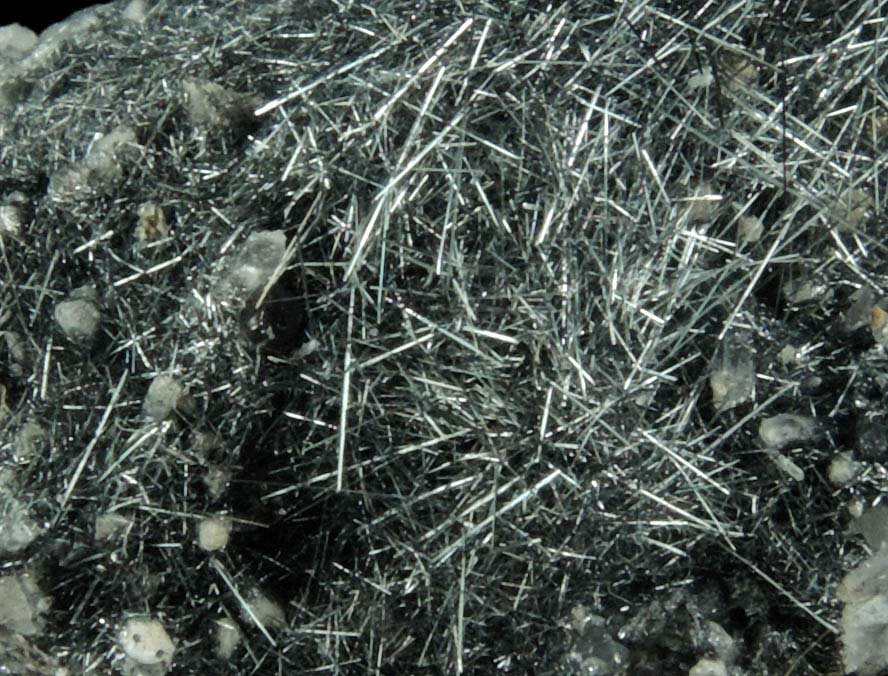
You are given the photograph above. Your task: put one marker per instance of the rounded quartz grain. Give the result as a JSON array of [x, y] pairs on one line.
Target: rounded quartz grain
[[788, 467], [28, 442], [228, 637], [708, 667], [213, 533], [719, 641], [10, 220], [22, 604], [17, 529], [216, 480], [733, 373], [254, 264], [843, 469], [111, 524], [750, 229], [163, 397], [786, 429], [79, 319], [146, 641], [265, 610], [703, 203]]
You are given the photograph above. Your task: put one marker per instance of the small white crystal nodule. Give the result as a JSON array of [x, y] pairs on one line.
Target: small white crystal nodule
[[787, 428], [146, 641]]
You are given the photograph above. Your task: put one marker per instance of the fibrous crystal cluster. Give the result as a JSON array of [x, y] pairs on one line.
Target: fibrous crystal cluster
[[439, 337]]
